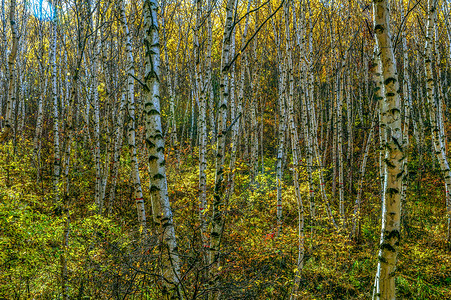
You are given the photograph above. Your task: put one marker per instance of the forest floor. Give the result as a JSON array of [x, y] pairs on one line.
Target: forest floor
[[254, 265]]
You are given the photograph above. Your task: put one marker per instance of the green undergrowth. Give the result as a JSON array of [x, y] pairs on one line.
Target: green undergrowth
[[106, 260]]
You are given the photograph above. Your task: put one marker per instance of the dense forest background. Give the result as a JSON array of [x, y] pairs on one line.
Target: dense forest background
[[225, 149]]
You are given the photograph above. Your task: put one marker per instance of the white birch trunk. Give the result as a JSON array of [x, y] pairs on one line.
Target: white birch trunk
[[294, 152], [138, 194], [340, 151], [439, 146], [281, 128], [393, 162], [155, 145], [10, 100], [407, 95], [218, 201], [202, 126], [208, 74], [56, 132]]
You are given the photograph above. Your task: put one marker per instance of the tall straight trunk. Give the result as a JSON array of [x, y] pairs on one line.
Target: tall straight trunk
[[106, 164], [305, 82], [254, 83], [4, 57], [309, 147], [407, 95], [172, 78], [38, 133], [208, 73], [10, 100], [96, 150], [21, 105], [95, 53], [192, 116], [235, 135], [281, 146], [218, 199], [87, 110], [440, 84], [155, 145], [138, 193], [349, 123], [448, 28], [103, 123], [294, 152], [69, 126], [69, 129], [56, 121], [422, 116], [309, 153], [335, 90], [432, 106], [291, 113], [394, 157], [341, 200], [334, 144], [202, 126], [350, 132], [253, 130], [57, 161], [235, 115]]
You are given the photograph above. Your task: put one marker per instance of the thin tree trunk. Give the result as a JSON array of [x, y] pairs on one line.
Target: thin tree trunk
[[208, 74], [56, 132], [218, 200], [139, 198], [10, 100], [407, 95], [295, 153], [432, 107], [202, 126]]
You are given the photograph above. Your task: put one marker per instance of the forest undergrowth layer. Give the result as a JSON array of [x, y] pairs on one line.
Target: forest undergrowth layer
[[106, 258]]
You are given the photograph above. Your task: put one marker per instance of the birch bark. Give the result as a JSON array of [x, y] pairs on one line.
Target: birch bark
[[155, 145], [218, 201], [56, 132], [139, 198], [294, 152], [439, 146], [43, 87], [10, 100], [201, 124], [394, 156]]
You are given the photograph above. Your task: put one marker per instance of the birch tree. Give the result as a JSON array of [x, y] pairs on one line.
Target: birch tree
[[139, 199], [394, 157], [218, 203], [56, 120], [10, 100], [432, 106], [161, 208]]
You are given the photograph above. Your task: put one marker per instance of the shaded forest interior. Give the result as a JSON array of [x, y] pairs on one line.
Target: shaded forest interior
[[228, 149]]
